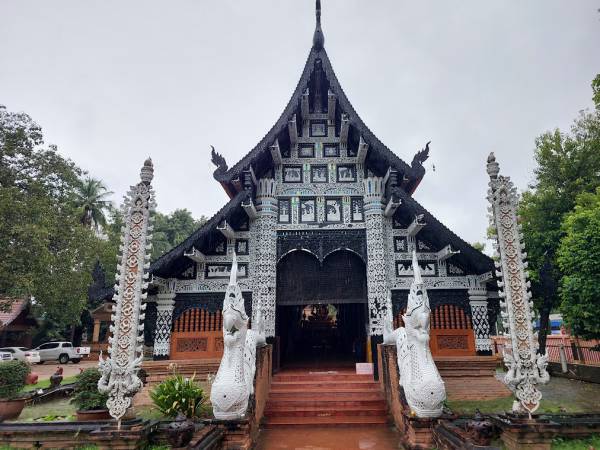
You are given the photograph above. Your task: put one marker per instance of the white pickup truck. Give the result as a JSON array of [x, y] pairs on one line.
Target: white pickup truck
[[63, 352]]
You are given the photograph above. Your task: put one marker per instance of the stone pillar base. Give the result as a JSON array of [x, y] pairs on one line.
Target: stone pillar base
[[526, 440], [418, 433], [522, 433], [237, 434]]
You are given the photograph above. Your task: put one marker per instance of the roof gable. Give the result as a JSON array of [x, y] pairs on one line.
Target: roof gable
[[379, 157]]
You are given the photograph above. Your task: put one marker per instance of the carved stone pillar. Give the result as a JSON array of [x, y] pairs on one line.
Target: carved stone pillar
[[265, 245], [164, 320], [479, 318], [526, 368], [376, 253]]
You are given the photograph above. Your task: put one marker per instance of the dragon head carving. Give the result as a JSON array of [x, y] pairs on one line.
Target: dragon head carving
[[416, 319], [235, 319]]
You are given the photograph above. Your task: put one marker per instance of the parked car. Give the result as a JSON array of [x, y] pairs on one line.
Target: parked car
[[63, 352], [22, 354], [6, 356]]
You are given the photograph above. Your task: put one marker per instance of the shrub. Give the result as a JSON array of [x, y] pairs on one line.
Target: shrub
[[12, 378], [177, 394], [87, 397]]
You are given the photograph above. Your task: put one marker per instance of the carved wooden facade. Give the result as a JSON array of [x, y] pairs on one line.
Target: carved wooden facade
[[320, 184]]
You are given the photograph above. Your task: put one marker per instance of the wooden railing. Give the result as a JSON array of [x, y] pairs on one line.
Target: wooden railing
[[576, 351], [197, 334], [451, 331]]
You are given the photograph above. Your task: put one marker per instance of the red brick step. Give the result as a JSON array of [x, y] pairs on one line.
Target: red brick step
[[335, 398]]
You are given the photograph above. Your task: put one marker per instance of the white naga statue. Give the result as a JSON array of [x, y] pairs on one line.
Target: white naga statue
[[234, 382], [423, 387]]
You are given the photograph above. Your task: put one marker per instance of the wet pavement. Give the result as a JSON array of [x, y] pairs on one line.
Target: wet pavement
[[329, 438], [575, 395], [579, 394], [45, 370]]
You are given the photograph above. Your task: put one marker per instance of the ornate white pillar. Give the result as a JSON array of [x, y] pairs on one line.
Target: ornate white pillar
[[376, 252], [479, 318], [119, 371], [265, 237], [526, 368], [164, 321]]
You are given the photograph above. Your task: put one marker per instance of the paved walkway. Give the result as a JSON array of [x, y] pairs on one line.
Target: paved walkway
[[573, 393], [45, 370], [342, 438]]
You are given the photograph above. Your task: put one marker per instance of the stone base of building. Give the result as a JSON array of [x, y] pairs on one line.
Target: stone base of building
[[471, 377], [157, 371], [465, 377]]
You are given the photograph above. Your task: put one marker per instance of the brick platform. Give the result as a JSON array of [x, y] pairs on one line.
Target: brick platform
[[471, 377], [157, 371]]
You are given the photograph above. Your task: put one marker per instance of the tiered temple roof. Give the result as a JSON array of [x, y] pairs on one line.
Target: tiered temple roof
[[319, 91]]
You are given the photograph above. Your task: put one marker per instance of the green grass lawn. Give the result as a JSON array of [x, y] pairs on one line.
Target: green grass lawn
[[504, 404], [46, 383], [593, 442], [59, 409]]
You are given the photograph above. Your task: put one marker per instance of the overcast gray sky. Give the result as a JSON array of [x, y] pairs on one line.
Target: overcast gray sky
[[112, 82]]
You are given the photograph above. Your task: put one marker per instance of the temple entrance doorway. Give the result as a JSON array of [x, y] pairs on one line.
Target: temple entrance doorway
[[322, 335], [321, 315]]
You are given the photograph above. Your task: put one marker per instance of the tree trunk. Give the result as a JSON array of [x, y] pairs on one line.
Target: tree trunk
[[544, 326]]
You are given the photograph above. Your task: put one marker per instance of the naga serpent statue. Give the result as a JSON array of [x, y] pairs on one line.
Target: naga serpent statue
[[234, 382], [423, 387]]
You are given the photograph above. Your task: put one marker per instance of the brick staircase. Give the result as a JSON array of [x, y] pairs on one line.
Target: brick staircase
[[324, 398]]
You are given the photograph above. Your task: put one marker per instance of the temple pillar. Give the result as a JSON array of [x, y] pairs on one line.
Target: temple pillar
[[265, 245], [479, 318], [376, 254], [164, 320], [96, 333]]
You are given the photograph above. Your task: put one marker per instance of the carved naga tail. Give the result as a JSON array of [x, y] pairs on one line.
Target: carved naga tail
[[234, 381], [423, 387], [218, 160]]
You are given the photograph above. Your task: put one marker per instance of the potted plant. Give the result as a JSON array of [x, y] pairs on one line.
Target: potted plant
[[91, 404], [182, 399], [12, 380]]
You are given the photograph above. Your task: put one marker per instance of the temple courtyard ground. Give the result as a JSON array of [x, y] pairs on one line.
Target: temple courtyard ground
[[343, 438], [46, 370]]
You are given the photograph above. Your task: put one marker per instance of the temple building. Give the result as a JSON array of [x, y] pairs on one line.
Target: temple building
[[322, 218]]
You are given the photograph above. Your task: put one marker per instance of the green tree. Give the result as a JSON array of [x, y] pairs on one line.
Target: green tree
[[478, 246], [46, 253], [91, 199], [579, 262], [568, 164], [596, 90], [172, 229]]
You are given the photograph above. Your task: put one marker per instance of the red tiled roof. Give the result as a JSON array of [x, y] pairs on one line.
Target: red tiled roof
[[16, 306]]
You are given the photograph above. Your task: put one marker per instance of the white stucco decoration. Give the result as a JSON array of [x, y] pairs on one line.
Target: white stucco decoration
[[526, 368], [119, 377], [423, 386], [234, 382]]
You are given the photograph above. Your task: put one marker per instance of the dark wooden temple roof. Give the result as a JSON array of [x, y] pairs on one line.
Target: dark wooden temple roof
[[437, 233], [174, 259], [379, 159]]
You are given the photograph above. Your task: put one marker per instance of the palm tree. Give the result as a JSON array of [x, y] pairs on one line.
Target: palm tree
[[91, 198]]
